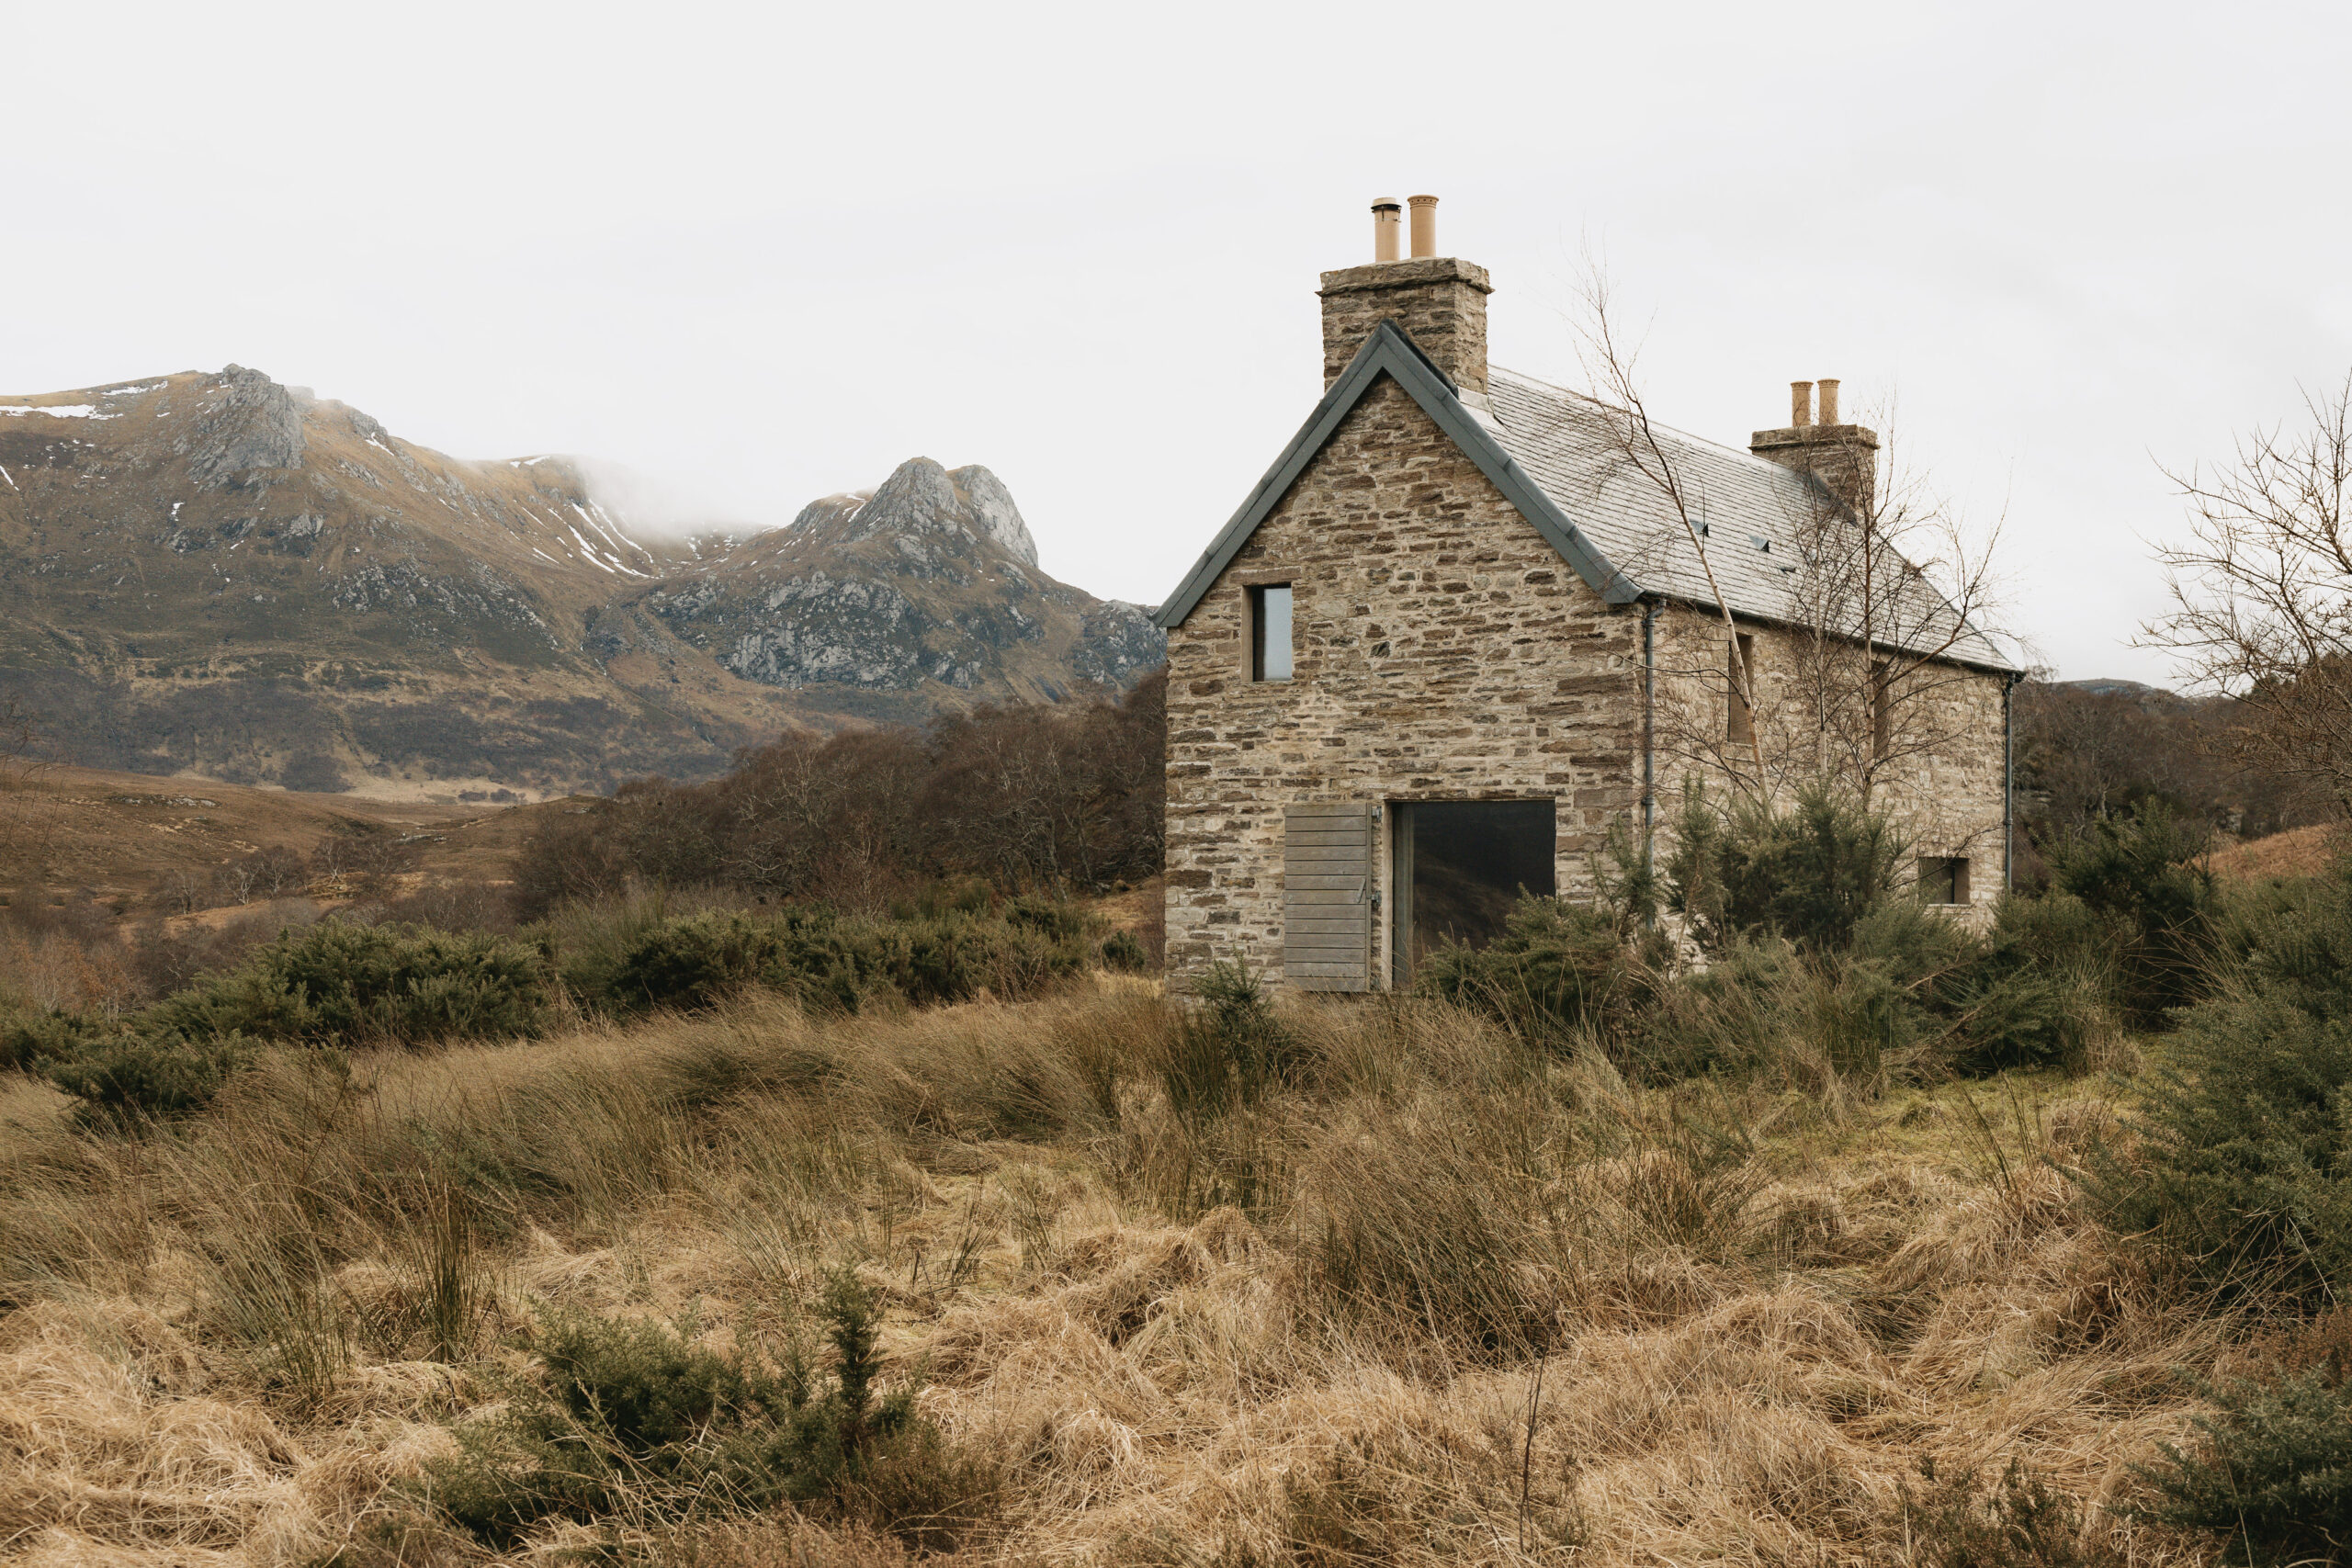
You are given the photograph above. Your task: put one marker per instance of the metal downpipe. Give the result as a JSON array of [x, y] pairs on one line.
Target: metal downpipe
[[1649, 733]]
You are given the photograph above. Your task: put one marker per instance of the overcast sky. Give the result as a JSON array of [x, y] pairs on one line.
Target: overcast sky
[[763, 254]]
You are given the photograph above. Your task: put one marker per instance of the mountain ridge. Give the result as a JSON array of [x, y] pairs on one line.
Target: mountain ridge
[[215, 574]]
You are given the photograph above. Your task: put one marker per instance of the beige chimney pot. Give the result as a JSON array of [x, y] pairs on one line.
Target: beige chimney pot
[[1424, 225], [1828, 402], [1800, 404], [1387, 229]]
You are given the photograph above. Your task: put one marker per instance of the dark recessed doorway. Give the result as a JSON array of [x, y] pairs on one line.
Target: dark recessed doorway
[[1461, 867]]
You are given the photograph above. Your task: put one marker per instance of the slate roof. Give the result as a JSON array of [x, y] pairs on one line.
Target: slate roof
[[1553, 454]]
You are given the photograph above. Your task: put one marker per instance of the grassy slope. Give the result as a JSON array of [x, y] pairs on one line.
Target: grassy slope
[[1745, 1353], [122, 835], [2298, 851]]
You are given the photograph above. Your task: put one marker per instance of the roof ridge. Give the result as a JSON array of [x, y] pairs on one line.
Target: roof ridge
[[1728, 450]]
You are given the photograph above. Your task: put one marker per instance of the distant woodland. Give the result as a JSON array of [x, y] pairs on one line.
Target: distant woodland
[[2091, 750]]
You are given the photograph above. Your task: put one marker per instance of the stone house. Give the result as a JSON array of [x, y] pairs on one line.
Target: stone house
[[1454, 637]]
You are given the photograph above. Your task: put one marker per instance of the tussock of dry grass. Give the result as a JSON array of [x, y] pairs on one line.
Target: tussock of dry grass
[[1439, 1300]]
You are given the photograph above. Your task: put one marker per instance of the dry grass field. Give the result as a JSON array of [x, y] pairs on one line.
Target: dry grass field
[[1435, 1298], [2298, 851], [121, 839]]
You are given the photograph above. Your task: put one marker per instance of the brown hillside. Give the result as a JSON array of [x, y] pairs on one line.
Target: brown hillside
[[123, 838], [218, 574], [2299, 851]]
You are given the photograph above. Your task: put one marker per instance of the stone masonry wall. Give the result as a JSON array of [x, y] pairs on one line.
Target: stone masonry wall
[[1946, 803], [1444, 651]]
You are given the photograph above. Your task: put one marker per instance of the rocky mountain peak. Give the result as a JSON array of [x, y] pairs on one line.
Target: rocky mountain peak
[[920, 501], [988, 505], [245, 420]]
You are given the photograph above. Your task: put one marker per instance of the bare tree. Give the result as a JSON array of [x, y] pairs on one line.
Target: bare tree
[[1887, 588], [1610, 360], [25, 749], [277, 870], [237, 880], [2262, 593], [26, 822], [187, 891]]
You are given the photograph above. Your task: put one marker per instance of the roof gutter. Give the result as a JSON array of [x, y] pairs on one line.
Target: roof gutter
[[1784, 623]]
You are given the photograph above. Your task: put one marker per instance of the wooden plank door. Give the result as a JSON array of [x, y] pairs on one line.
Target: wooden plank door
[[1328, 894]]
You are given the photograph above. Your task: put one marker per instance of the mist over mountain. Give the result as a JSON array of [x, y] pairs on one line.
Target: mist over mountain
[[218, 574]]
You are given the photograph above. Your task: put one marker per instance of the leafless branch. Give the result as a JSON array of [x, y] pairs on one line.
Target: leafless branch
[[1888, 588], [2261, 593], [1610, 365]]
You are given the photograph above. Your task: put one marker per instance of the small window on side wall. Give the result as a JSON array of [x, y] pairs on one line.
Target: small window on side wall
[[1883, 711], [1943, 879], [1269, 632], [1741, 664]]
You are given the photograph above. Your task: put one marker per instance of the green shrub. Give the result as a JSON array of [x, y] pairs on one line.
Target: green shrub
[[949, 896], [2140, 872], [122, 1073], [834, 961], [33, 1038], [1048, 915], [1730, 1016], [626, 1416], [1809, 873], [1556, 967], [1123, 953], [1767, 1005], [2017, 1522], [2273, 1470], [126, 1077], [1228, 1049], [2036, 991], [346, 984], [1912, 994], [691, 963], [2243, 1163]]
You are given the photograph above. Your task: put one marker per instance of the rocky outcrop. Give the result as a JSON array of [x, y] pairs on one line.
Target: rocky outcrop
[[932, 517], [1119, 644], [990, 506], [247, 422], [929, 582]]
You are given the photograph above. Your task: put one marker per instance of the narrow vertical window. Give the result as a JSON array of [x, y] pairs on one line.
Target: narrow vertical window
[[1743, 682], [1882, 713], [1270, 633]]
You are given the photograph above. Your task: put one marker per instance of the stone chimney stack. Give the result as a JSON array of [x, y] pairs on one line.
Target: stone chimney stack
[[1438, 302], [1843, 456]]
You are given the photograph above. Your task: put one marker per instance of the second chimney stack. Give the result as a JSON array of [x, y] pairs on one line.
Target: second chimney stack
[[1424, 225], [1843, 457]]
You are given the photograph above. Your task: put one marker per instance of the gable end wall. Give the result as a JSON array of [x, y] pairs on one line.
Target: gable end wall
[[1444, 651]]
